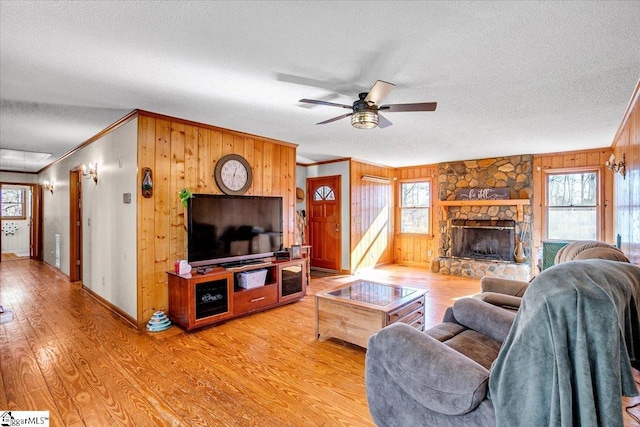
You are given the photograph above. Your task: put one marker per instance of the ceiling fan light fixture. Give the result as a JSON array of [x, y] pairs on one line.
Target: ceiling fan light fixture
[[366, 119], [364, 113]]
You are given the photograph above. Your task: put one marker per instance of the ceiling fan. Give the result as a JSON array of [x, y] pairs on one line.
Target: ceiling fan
[[365, 111]]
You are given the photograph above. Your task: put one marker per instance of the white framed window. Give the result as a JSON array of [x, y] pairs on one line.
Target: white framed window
[[415, 207], [573, 209]]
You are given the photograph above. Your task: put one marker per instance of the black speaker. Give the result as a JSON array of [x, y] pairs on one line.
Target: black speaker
[[282, 255]]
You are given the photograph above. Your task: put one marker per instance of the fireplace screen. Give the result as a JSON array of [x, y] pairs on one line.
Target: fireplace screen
[[483, 239]]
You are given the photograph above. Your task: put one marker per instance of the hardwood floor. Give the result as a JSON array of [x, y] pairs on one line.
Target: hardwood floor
[[10, 256], [67, 354]]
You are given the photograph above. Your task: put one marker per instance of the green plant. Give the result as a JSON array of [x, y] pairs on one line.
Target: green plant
[[185, 195]]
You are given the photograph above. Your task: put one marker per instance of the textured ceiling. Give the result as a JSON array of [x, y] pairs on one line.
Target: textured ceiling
[[509, 77]]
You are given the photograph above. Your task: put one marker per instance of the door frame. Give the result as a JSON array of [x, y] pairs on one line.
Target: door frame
[[75, 224], [338, 192], [35, 233]]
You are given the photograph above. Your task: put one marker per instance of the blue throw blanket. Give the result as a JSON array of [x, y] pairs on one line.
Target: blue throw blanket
[[567, 359]]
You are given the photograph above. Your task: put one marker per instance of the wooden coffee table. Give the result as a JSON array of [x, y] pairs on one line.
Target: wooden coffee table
[[358, 310]]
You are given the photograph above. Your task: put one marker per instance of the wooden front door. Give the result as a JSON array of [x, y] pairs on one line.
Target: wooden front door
[[324, 222]]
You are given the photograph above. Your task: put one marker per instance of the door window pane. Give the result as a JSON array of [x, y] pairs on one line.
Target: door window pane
[[13, 204], [324, 192]]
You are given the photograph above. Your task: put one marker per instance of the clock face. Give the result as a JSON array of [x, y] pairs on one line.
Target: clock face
[[233, 174]]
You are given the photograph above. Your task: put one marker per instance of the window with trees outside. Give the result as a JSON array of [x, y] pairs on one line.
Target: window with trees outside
[[415, 214], [13, 203], [572, 206]]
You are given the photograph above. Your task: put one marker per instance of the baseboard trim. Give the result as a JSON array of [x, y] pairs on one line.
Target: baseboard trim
[[124, 316], [56, 269]]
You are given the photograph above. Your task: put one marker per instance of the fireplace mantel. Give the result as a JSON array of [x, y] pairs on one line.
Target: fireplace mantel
[[518, 203]]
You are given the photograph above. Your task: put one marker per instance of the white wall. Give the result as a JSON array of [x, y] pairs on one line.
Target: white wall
[[109, 252], [18, 177], [301, 181], [331, 169]]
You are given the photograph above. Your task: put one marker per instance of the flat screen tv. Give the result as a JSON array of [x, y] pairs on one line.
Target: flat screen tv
[[232, 229]]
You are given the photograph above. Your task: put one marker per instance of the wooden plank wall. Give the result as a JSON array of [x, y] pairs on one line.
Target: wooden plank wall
[[571, 160], [420, 250], [412, 249], [627, 188], [183, 154], [371, 216]]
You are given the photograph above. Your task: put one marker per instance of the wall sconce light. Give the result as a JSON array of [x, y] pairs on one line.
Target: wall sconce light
[[48, 186], [92, 172], [619, 167]]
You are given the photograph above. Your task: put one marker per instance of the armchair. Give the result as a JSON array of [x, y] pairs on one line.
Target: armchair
[[563, 359], [507, 293], [578, 334], [438, 377]]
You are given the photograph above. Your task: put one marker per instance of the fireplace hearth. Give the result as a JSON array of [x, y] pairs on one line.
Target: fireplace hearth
[[488, 240]]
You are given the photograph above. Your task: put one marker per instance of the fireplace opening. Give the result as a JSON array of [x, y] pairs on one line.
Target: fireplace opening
[[492, 240]]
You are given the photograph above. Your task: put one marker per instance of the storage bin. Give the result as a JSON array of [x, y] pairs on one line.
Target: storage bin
[[252, 278]]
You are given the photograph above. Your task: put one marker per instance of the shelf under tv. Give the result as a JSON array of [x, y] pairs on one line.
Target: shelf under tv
[[243, 263]]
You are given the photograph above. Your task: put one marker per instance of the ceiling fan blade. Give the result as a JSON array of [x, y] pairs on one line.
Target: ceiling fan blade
[[331, 104], [420, 106], [383, 122], [336, 87], [335, 118], [378, 92], [326, 98], [303, 81]]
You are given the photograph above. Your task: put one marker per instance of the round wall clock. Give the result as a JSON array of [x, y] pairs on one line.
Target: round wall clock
[[233, 174]]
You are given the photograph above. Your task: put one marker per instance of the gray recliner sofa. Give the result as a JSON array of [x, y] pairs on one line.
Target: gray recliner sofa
[[562, 359], [438, 377], [507, 293]]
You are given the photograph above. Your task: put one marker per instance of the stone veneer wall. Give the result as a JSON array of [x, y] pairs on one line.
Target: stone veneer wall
[[515, 173]]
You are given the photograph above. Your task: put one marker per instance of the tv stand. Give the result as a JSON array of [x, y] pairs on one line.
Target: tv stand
[[237, 264], [198, 300]]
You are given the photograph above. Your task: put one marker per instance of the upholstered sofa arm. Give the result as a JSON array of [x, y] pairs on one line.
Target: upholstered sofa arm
[[501, 300], [453, 384], [500, 285], [489, 320]]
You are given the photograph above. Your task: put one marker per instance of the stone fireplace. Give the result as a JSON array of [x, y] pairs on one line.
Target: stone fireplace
[[487, 240], [478, 237]]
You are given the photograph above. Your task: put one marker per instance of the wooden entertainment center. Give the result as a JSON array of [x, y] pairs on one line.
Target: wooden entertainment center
[[197, 300]]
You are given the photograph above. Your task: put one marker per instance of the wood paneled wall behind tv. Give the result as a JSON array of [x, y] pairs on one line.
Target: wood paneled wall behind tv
[[182, 154]]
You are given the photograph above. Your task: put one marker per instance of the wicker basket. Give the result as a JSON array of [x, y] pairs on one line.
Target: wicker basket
[[252, 278]]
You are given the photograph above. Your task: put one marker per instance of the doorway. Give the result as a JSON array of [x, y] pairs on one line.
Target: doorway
[[324, 216], [20, 225], [75, 225]]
